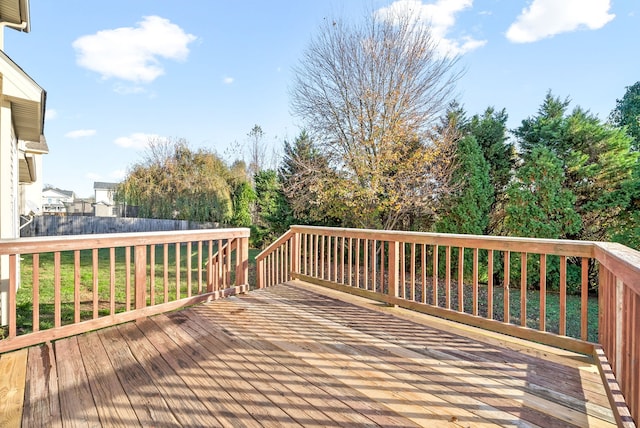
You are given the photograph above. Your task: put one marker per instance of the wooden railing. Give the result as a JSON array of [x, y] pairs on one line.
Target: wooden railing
[[61, 286], [535, 289]]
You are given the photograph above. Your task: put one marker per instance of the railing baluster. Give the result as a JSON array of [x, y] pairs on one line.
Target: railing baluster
[[563, 295], [152, 274], [94, 268], [112, 281], [199, 267], [523, 289], [178, 267], [365, 259], [507, 278], [412, 267], [423, 272], [543, 292], [76, 286], [374, 264], [13, 285], [382, 257], [490, 284], [127, 277], [461, 279], [358, 263], [584, 298], [188, 255], [434, 277], [35, 262], [350, 263], [165, 264], [403, 270], [475, 284], [447, 282], [323, 262]]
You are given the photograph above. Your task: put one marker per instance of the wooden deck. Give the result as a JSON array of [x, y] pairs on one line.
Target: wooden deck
[[292, 355]]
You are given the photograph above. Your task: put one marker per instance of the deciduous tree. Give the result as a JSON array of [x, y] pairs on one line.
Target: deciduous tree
[[175, 182], [370, 94]]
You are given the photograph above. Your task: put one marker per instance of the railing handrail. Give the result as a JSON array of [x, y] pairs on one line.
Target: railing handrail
[[283, 238], [556, 247], [105, 240], [622, 260]]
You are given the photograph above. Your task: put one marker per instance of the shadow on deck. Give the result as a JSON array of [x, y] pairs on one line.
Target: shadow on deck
[[296, 354]]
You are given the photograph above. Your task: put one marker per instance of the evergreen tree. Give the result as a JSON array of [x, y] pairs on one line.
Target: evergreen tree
[[243, 198], [538, 205], [490, 131], [302, 174], [466, 210], [274, 213], [595, 158], [627, 113]]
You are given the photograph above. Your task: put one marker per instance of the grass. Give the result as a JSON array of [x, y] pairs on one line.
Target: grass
[[552, 318]]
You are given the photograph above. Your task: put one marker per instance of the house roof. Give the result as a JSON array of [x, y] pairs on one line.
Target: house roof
[[66, 193], [27, 99], [104, 185], [16, 13]]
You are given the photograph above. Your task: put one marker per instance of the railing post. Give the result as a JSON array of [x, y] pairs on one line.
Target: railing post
[[140, 273], [295, 253], [394, 264], [242, 261]]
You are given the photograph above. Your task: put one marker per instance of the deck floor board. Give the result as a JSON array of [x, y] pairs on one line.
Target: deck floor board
[[294, 355]]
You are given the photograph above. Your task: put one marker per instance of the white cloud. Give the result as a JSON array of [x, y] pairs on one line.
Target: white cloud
[[441, 15], [133, 53], [137, 141], [50, 114], [546, 18], [228, 80], [80, 133], [93, 176]]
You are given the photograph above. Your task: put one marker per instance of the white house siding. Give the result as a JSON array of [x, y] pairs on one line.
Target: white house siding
[[8, 199]]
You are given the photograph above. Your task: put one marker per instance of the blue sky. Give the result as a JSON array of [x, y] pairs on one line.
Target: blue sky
[[119, 72]]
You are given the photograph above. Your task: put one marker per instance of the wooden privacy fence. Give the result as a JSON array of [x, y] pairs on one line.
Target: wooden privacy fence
[[73, 284], [535, 289]]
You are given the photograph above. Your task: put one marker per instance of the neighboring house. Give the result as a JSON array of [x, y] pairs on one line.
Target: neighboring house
[[81, 207], [105, 205], [22, 143], [57, 201]]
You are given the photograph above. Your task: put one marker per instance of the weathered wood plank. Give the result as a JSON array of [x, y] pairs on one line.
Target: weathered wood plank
[[186, 405], [344, 405], [146, 400], [475, 369], [257, 404], [377, 359], [112, 403], [13, 370], [402, 397], [42, 405], [76, 402]]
